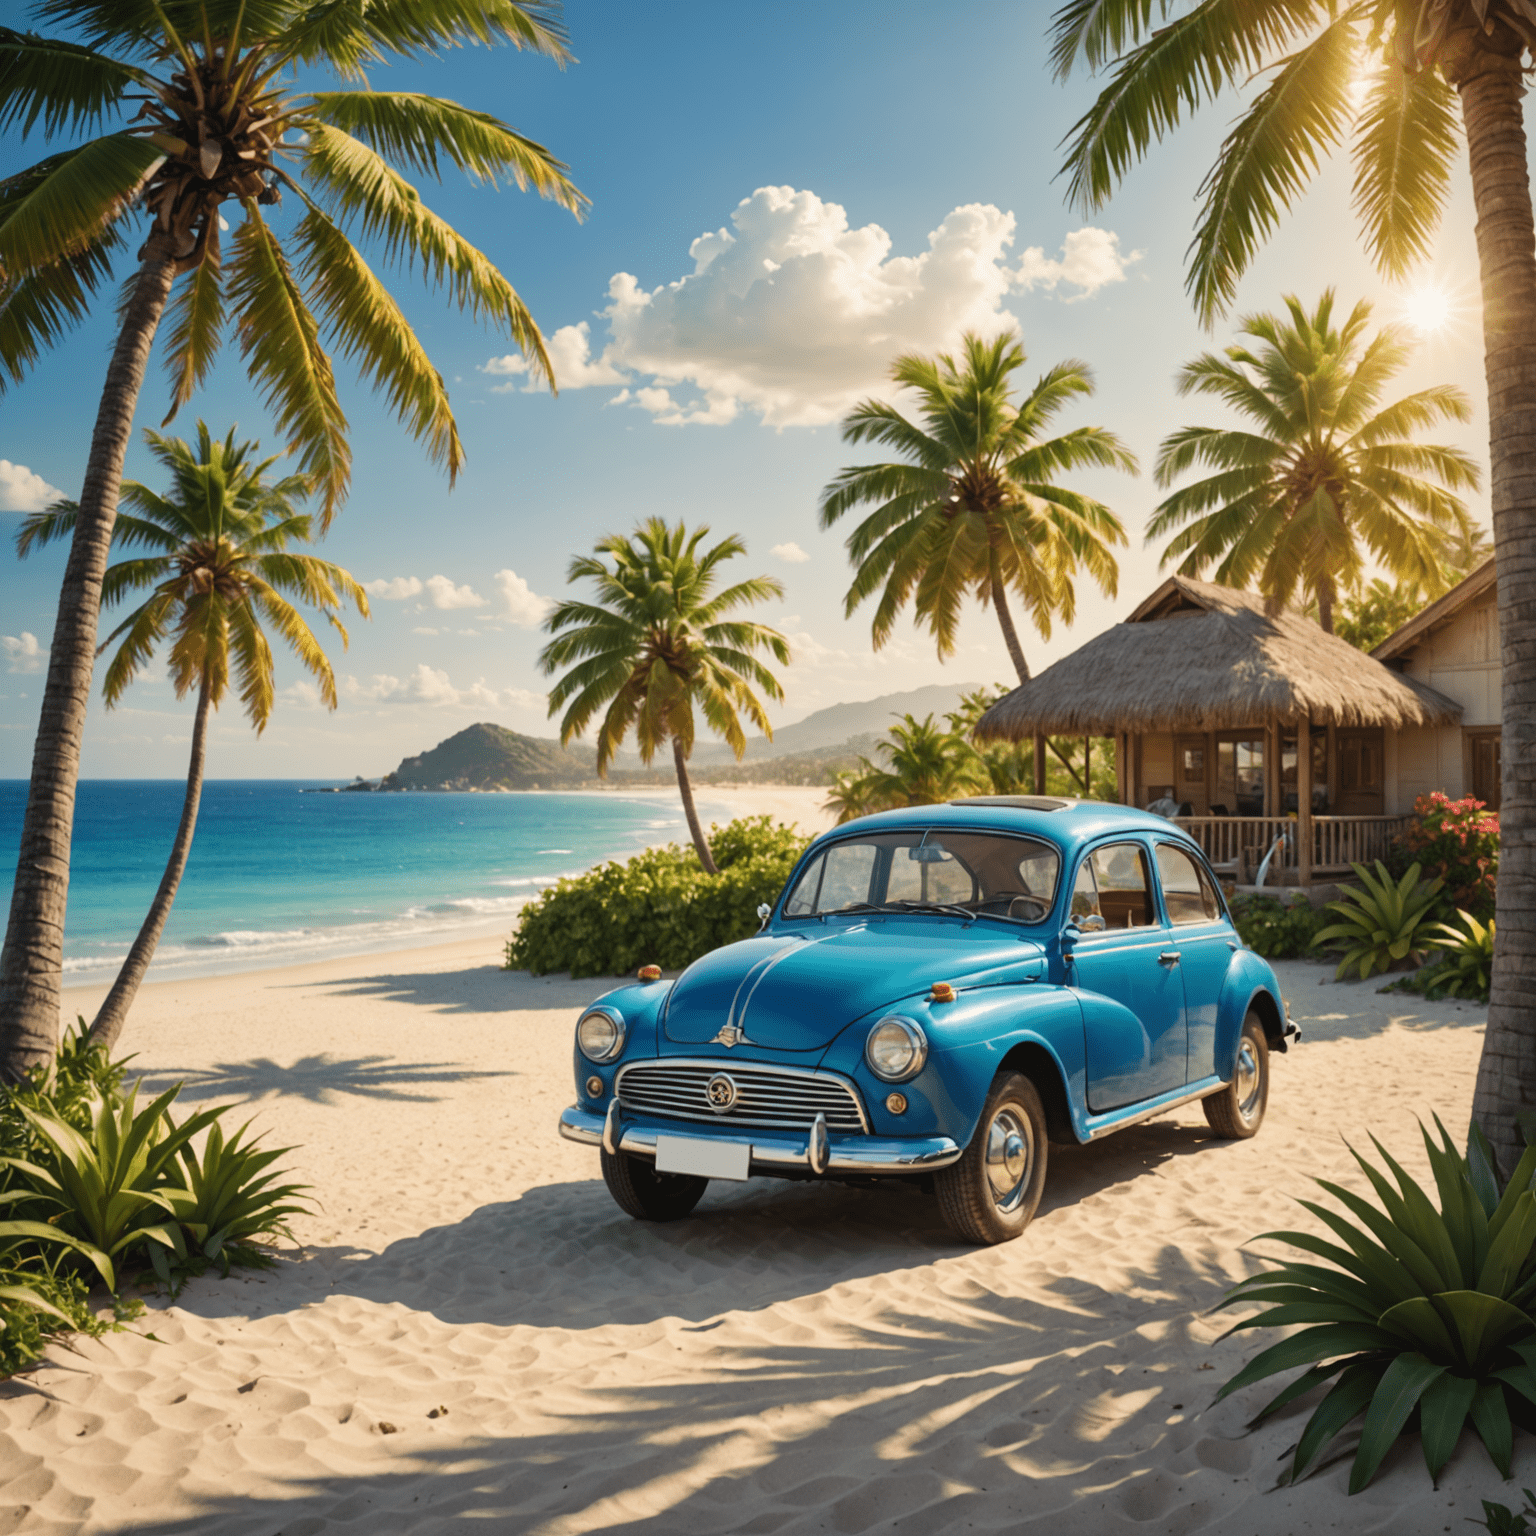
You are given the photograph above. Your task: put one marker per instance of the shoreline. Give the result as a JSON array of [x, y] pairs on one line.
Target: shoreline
[[798, 805]]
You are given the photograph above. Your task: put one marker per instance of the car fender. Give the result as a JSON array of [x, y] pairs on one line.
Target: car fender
[[969, 1041], [1250, 983], [639, 1004]]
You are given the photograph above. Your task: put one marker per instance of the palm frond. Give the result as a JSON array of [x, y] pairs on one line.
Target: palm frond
[[1405, 145], [281, 345], [1268, 158], [419, 131], [69, 88], [196, 330]]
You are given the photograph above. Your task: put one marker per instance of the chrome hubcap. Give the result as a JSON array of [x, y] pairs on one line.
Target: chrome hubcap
[[1248, 1079], [1010, 1157]]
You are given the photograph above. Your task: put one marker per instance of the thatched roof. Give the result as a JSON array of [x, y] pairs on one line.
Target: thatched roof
[[1195, 656]]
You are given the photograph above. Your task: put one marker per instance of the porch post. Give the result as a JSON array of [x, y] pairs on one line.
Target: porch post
[[1039, 762], [1304, 800]]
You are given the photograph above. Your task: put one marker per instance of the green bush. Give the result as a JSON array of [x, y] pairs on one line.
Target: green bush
[[1421, 1318], [93, 1185], [658, 908], [1382, 921], [1276, 929]]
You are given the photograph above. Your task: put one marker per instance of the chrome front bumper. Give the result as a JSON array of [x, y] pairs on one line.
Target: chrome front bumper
[[777, 1151]]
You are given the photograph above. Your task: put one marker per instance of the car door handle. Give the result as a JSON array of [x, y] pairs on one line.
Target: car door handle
[[1168, 957]]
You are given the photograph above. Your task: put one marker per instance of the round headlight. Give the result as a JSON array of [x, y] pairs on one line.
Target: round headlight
[[600, 1036], [896, 1049]]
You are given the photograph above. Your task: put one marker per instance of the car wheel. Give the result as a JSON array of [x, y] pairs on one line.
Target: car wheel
[[647, 1195], [991, 1193], [1237, 1112]]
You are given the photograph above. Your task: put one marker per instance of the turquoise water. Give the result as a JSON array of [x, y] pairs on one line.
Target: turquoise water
[[277, 876]]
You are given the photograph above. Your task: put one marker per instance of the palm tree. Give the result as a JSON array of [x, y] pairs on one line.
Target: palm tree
[[657, 642], [167, 113], [1312, 54], [1326, 476], [973, 505], [925, 764], [223, 540]]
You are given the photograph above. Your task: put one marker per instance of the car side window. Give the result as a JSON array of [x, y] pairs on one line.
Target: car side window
[[1125, 888], [1085, 894], [1187, 891]]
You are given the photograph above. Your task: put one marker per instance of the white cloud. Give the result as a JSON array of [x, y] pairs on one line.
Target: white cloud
[[445, 595], [570, 355], [426, 685], [791, 553], [23, 491], [425, 629], [521, 603], [395, 590], [23, 653], [1090, 259], [795, 315]]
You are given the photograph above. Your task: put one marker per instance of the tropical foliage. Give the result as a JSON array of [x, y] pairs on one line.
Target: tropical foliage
[[658, 643], [220, 562], [1278, 930], [163, 119], [1382, 921], [1464, 964], [973, 505], [658, 908], [1458, 841], [1414, 1314], [96, 1187], [1325, 478]]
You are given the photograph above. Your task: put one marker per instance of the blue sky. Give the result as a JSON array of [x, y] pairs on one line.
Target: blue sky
[[833, 140]]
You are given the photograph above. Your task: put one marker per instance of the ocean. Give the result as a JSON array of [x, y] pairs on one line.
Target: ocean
[[277, 877]]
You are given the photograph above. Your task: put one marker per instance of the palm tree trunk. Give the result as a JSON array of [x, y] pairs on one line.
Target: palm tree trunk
[[700, 843], [32, 961], [1491, 90], [108, 1024], [1005, 618]]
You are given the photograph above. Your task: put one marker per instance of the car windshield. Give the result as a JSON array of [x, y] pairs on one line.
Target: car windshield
[[969, 874]]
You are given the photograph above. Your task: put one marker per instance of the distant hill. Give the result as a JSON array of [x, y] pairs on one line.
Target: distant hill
[[836, 725], [492, 757]]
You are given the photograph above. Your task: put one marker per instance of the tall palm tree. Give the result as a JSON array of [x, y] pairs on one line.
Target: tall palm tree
[[223, 557], [659, 641], [1169, 59], [1326, 476], [170, 114], [973, 505]]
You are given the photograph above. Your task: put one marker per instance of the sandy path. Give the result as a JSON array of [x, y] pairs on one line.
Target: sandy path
[[794, 1359]]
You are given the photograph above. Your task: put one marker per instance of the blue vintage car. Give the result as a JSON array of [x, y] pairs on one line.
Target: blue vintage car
[[938, 994]]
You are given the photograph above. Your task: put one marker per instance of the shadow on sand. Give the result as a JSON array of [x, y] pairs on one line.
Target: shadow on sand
[[321, 1078]]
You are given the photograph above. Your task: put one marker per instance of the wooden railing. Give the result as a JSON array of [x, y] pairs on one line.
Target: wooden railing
[[1236, 844]]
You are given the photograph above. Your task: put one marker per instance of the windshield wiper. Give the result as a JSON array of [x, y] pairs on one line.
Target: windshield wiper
[[948, 908]]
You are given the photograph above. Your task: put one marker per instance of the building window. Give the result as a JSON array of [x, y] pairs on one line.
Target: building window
[[1240, 776], [1487, 766]]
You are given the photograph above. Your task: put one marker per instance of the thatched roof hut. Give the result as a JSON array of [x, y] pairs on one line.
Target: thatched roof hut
[[1201, 657]]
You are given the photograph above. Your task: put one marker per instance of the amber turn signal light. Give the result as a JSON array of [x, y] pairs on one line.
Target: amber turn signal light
[[942, 992], [896, 1103], [650, 973], [594, 1087]]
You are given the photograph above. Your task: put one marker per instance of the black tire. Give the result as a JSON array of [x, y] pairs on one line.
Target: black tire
[[983, 1198], [1237, 1112], [646, 1195]]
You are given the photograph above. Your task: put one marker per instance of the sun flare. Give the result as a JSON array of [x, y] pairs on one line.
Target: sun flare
[[1427, 309]]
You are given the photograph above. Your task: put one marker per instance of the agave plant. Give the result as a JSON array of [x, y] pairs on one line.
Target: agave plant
[[1420, 1311], [1381, 922], [1465, 968], [228, 1198], [106, 1183]]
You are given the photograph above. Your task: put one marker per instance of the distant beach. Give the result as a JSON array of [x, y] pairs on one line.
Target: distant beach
[[280, 877]]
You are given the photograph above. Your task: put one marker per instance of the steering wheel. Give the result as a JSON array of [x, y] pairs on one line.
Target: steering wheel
[[1027, 909]]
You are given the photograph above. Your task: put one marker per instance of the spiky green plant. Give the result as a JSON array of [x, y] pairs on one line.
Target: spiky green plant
[[1382, 921], [1415, 1311], [1465, 967]]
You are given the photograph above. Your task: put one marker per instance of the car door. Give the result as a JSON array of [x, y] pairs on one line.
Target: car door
[[1205, 941], [1127, 978]]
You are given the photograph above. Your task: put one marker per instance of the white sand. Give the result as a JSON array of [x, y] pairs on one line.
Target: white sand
[[792, 1359]]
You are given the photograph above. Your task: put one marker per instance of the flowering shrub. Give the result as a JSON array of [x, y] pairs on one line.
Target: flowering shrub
[[1458, 841]]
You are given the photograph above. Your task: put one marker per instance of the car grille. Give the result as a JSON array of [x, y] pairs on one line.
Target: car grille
[[772, 1098]]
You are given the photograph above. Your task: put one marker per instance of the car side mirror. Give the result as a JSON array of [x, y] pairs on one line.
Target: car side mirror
[[764, 912]]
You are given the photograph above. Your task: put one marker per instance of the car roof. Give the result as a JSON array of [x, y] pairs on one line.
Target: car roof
[[1065, 822]]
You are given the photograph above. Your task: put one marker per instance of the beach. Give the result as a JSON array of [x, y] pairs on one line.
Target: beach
[[470, 1330]]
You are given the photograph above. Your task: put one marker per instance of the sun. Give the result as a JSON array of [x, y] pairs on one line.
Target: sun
[[1427, 309]]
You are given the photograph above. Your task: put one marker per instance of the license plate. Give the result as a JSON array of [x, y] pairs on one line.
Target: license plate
[[704, 1159]]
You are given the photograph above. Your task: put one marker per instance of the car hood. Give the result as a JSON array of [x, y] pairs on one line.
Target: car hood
[[793, 992]]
